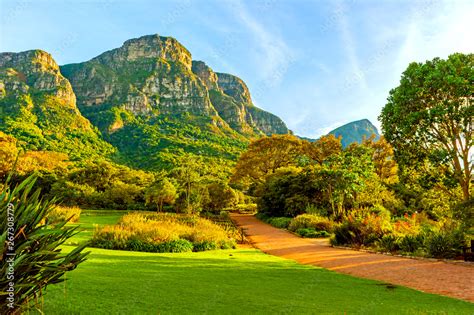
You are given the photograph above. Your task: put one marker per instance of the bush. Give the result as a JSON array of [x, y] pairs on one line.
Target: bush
[[206, 245], [250, 208], [361, 228], [64, 214], [444, 244], [388, 243], [312, 233], [311, 221], [162, 232], [279, 222], [175, 246], [410, 243]]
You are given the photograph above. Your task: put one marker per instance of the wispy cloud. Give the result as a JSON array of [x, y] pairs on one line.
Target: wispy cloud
[[357, 74], [273, 52]]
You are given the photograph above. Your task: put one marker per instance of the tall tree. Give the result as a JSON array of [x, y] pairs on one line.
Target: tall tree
[[264, 156], [162, 192], [430, 116], [189, 174], [383, 157]]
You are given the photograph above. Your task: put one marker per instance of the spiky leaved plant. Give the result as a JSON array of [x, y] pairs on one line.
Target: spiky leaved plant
[[30, 255]]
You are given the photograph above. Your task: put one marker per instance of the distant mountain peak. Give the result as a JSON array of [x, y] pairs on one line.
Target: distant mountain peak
[[355, 131]]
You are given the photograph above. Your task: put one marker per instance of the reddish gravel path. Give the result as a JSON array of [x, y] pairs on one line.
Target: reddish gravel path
[[454, 280]]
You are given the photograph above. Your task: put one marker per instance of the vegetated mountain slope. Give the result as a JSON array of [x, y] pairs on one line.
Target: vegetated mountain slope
[[38, 107], [153, 102], [355, 131]]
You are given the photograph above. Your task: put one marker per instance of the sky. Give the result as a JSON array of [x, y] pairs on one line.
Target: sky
[[315, 64]]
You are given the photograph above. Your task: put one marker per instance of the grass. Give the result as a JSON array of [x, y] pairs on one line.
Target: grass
[[228, 281], [244, 281], [90, 219]]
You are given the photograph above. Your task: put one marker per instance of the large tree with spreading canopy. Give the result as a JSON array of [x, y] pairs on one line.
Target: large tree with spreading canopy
[[429, 116]]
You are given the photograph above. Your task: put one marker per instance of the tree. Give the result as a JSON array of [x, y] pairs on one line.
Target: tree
[[160, 193], [38, 260], [429, 116], [323, 148], [221, 196], [264, 156], [189, 174], [383, 157], [344, 175]]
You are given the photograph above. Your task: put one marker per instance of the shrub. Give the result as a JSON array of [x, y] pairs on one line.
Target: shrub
[[410, 243], [361, 228], [162, 232], [64, 214], [250, 208], [279, 222], [444, 244], [311, 221], [388, 243], [313, 209], [312, 233], [205, 245]]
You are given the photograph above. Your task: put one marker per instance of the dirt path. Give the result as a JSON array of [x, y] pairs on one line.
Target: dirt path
[[455, 280]]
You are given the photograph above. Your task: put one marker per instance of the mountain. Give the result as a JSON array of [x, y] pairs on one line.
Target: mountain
[[38, 107], [152, 101], [142, 104], [355, 131]]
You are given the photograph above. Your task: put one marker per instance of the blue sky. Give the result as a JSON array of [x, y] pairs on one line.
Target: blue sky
[[316, 64]]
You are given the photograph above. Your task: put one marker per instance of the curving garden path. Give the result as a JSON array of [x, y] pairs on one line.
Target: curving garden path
[[450, 279]]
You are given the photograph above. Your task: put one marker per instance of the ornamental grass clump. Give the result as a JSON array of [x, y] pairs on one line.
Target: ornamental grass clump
[[64, 214], [162, 232]]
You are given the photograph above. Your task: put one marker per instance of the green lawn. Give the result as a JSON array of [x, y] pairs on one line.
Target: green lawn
[[240, 281], [90, 219]]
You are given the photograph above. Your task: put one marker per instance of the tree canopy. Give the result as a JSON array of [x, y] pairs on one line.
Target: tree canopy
[[429, 116]]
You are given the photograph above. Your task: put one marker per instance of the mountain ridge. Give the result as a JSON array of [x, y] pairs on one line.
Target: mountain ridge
[[355, 132]]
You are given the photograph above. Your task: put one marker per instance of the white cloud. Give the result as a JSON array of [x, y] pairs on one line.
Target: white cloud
[[274, 55], [357, 74]]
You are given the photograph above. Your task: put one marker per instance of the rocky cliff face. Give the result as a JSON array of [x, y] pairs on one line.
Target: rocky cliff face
[[234, 87], [38, 105], [33, 70], [154, 75], [231, 98], [147, 74]]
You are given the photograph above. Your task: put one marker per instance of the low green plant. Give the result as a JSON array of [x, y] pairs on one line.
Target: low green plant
[[311, 233], [444, 244], [410, 243], [388, 243], [311, 221], [279, 222]]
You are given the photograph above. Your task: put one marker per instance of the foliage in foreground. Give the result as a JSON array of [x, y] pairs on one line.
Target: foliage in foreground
[[37, 262], [162, 232]]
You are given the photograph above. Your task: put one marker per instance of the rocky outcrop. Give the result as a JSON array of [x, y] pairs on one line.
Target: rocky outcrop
[[234, 87], [267, 122], [155, 75], [36, 70], [38, 106], [147, 74], [205, 73]]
